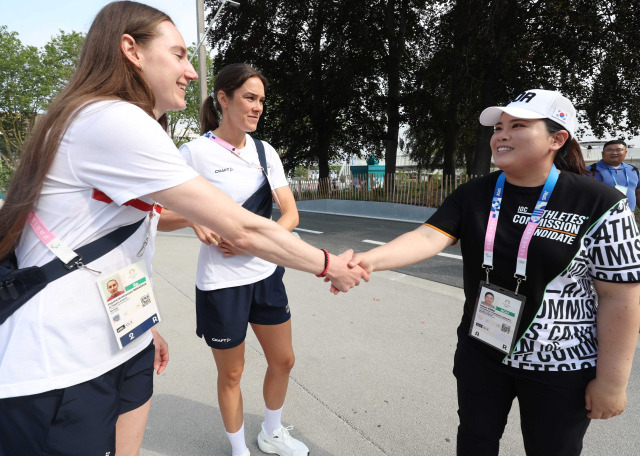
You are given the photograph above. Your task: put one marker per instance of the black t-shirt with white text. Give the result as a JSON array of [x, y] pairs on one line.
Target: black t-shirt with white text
[[587, 231]]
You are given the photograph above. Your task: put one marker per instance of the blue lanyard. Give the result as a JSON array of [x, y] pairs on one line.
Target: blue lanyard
[[613, 176], [532, 224]]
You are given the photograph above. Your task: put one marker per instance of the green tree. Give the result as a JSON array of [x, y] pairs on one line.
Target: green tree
[[340, 71], [612, 106], [485, 52], [21, 93], [59, 59], [29, 80], [314, 107], [182, 124], [401, 25]]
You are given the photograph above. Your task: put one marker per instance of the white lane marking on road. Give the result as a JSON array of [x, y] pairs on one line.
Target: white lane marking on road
[[451, 255], [308, 231], [448, 255]]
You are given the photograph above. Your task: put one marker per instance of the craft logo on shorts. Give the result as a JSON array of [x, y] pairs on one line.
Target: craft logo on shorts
[[213, 339]]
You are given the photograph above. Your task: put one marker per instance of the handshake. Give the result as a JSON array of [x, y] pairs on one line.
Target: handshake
[[345, 271]]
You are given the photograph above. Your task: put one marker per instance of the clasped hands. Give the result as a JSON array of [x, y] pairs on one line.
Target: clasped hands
[[349, 270], [345, 270], [210, 237]]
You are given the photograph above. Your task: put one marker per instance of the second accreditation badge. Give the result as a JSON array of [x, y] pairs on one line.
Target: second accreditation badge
[[496, 316]]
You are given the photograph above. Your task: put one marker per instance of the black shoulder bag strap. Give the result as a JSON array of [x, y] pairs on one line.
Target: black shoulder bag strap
[[261, 202], [261, 155], [17, 286]]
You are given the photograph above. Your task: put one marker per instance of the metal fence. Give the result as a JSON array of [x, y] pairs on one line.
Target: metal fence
[[428, 190]]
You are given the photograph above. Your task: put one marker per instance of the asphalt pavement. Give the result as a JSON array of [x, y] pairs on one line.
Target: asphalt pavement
[[338, 233], [372, 374]]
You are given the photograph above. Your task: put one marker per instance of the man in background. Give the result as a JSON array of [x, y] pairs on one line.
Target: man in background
[[614, 172]]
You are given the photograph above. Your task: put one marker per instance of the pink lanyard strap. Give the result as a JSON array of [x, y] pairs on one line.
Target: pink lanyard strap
[[534, 220], [55, 245], [221, 142]]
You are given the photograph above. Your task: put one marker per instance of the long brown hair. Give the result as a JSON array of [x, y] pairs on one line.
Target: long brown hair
[[569, 157], [103, 73], [230, 78]]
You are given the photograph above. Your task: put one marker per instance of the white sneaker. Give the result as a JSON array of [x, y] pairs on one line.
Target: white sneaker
[[281, 443], [246, 453]]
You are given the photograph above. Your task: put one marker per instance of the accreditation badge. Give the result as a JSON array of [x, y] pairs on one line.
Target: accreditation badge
[[622, 188], [129, 302], [496, 316]]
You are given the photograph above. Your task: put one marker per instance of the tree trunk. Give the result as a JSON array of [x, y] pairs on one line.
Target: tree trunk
[[482, 157], [451, 128], [396, 42], [318, 114], [450, 146]]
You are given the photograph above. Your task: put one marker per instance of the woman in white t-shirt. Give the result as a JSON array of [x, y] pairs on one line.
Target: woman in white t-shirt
[[234, 289], [99, 160]]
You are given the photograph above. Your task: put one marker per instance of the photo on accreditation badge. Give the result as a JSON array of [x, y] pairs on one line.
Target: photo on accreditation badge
[[496, 317], [112, 287]]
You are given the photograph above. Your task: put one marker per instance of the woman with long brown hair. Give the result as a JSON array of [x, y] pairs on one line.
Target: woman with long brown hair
[[75, 368]]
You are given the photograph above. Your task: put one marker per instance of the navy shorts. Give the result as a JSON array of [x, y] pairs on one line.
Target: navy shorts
[[222, 315], [79, 420]]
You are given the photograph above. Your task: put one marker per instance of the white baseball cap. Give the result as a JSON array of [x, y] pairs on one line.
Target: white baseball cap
[[535, 104]]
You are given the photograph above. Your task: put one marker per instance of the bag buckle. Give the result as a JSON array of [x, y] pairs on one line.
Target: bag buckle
[[75, 263], [8, 291]]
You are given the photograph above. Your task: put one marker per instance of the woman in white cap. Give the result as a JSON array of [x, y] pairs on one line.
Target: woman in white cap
[[560, 255]]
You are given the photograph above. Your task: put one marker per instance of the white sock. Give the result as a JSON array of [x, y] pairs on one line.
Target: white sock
[[272, 420], [238, 444]]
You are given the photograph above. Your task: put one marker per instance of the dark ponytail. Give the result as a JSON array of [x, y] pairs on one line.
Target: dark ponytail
[[569, 157], [209, 120]]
